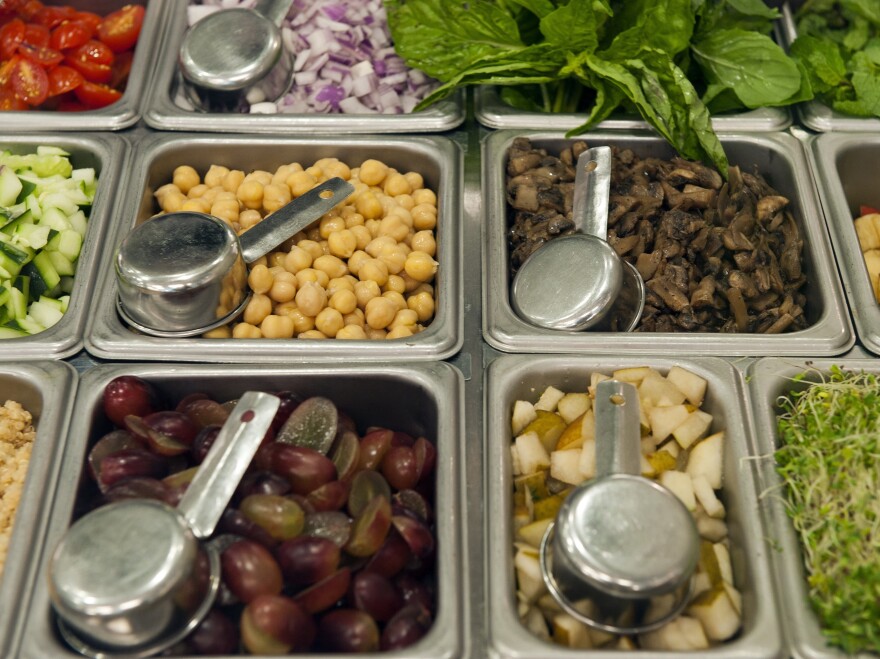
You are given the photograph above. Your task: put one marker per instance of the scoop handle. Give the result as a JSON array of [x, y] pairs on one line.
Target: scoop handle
[[592, 190], [617, 429], [274, 10], [292, 218], [219, 474]]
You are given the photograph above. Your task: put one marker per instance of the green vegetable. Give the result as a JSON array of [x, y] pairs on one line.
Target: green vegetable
[[838, 47], [672, 61], [828, 458]]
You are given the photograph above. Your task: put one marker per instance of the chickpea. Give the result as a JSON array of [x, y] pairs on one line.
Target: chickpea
[[424, 288], [214, 175], [313, 233], [232, 180], [275, 196], [311, 298], [394, 227], [331, 224], [185, 177], [306, 275], [351, 332], [372, 227], [257, 309], [285, 308], [281, 174], [420, 266], [404, 215], [405, 201], [395, 283], [374, 270], [425, 196], [277, 327], [276, 260], [260, 279], [394, 258], [398, 299], [380, 312], [372, 172], [283, 287], [368, 205], [195, 205], [396, 184], [261, 175], [365, 291], [250, 193], [356, 260], [342, 244], [415, 180], [399, 332], [362, 236], [226, 210], [222, 332], [405, 318], [249, 218], [312, 247], [423, 241], [317, 172], [339, 284], [329, 321], [410, 284], [375, 334], [263, 260], [337, 168], [333, 266], [344, 301], [423, 304], [376, 245], [312, 334], [424, 217], [196, 191], [352, 217], [168, 188], [301, 322], [297, 259], [172, 202], [246, 331], [300, 183]]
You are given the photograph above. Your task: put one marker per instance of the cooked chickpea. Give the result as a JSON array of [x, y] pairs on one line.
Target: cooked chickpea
[[374, 334], [246, 331], [376, 245], [379, 312], [313, 233], [232, 180], [342, 244], [311, 298], [416, 181], [352, 217], [306, 275], [275, 196], [285, 308], [168, 188], [214, 175], [257, 309], [333, 266], [372, 227], [339, 284], [352, 332], [404, 215], [395, 283], [312, 334], [372, 172], [344, 301], [260, 279], [425, 196], [400, 332], [297, 259], [185, 177], [249, 218], [195, 205], [356, 317], [424, 288], [368, 205], [366, 291], [420, 266], [405, 201], [283, 287], [263, 260], [394, 227], [279, 177], [250, 193], [329, 321], [277, 327], [398, 299], [196, 191], [423, 304], [361, 235], [406, 318], [222, 332], [317, 172], [226, 210], [374, 270], [396, 184], [423, 241], [172, 202], [356, 260], [394, 258], [301, 322], [300, 183], [337, 168], [331, 224], [312, 247], [276, 260], [261, 175], [424, 216]]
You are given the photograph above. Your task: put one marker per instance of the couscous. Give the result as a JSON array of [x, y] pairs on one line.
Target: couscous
[[16, 441]]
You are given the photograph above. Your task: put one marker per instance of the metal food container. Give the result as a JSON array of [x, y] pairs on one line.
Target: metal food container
[[438, 159], [46, 390], [105, 153], [844, 166], [492, 112], [163, 112], [815, 114], [769, 379], [425, 399], [779, 157], [127, 110], [511, 378]]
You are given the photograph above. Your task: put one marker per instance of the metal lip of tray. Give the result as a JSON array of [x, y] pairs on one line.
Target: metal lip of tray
[[46, 390], [815, 114], [492, 112], [163, 113], [514, 377], [768, 379], [107, 154], [434, 396], [846, 179], [780, 157], [127, 110], [438, 159]]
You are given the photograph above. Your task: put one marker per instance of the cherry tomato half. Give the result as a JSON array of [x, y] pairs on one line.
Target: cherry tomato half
[[36, 35], [29, 8], [45, 57], [94, 60], [9, 101], [120, 29], [89, 18], [95, 95], [867, 210], [11, 36], [63, 79], [71, 34], [30, 82], [52, 16]]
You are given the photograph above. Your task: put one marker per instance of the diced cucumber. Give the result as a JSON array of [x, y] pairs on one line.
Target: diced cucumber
[[20, 255], [9, 333], [34, 236], [79, 222], [44, 314], [25, 324], [61, 200], [59, 303], [67, 285], [5, 294], [27, 188], [85, 175], [10, 186], [55, 218], [63, 266], [44, 277], [68, 243], [46, 150], [9, 268], [17, 303], [33, 207]]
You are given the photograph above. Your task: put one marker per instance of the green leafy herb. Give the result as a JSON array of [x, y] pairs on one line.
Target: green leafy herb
[[672, 61], [829, 459], [838, 46]]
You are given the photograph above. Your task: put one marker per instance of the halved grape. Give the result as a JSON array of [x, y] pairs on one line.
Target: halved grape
[[205, 412], [365, 486], [399, 467], [312, 424], [233, 521], [289, 402], [203, 443], [415, 591], [262, 482], [374, 446], [408, 626], [416, 534], [250, 570], [138, 488], [307, 560], [304, 468], [335, 526], [370, 528], [130, 463], [112, 442], [374, 594], [348, 630], [346, 454], [392, 556], [413, 502], [330, 496], [278, 515], [216, 634], [402, 439], [128, 394], [426, 458], [326, 593], [272, 624]]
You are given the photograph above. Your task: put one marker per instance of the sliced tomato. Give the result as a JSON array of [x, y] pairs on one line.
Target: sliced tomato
[[36, 35], [29, 8], [9, 101], [6, 70], [71, 34], [94, 60], [121, 68], [121, 28], [95, 95], [52, 16], [11, 36], [30, 82], [90, 18], [867, 210], [63, 79], [45, 57], [8, 7], [71, 105]]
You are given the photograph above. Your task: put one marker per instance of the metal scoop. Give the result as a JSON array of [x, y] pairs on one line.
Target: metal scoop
[[226, 54], [620, 554], [182, 274], [578, 282], [131, 577]]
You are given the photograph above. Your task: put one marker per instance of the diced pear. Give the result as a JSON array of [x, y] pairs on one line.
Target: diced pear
[[515, 465], [633, 375], [565, 466], [660, 606], [680, 484], [595, 379], [588, 425], [644, 423], [706, 496], [570, 632], [600, 637], [548, 605], [716, 613], [587, 464], [533, 533], [532, 485], [523, 414], [532, 454], [657, 391], [573, 405], [549, 399], [682, 633], [648, 444], [695, 426], [671, 446], [664, 420], [701, 583], [547, 508], [706, 459], [646, 469], [692, 385], [872, 263], [722, 553], [571, 437], [528, 574], [549, 426], [521, 516], [708, 564], [714, 530], [534, 621], [735, 596], [875, 218], [661, 461], [867, 232], [624, 643]]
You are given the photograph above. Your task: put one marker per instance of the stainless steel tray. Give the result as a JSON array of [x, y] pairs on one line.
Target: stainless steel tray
[[815, 114], [106, 153], [164, 113], [424, 398], [844, 171], [780, 157], [127, 110], [46, 390], [524, 376], [492, 112], [768, 379], [438, 159]]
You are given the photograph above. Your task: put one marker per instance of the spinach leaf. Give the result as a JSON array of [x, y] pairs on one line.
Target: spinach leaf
[[754, 67]]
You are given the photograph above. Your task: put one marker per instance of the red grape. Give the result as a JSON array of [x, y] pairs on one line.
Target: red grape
[[329, 496], [327, 592], [304, 468], [272, 624], [348, 630], [374, 446], [307, 560], [249, 570], [375, 595], [400, 468], [128, 394], [279, 516], [130, 463], [216, 634], [370, 528], [407, 627]]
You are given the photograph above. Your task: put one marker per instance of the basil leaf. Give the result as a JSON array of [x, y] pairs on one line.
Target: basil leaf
[[867, 9], [866, 82], [572, 26], [754, 8], [539, 8], [665, 25], [754, 67], [822, 60], [521, 98]]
